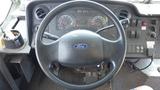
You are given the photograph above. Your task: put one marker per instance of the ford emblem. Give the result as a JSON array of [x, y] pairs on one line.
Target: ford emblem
[[80, 46]]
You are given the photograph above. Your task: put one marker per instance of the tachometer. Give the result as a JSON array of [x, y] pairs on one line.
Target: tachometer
[[99, 21], [64, 22]]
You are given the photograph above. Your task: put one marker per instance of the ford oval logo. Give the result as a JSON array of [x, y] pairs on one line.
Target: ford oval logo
[[80, 46]]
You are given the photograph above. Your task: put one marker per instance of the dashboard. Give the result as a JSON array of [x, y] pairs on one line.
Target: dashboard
[[142, 32]]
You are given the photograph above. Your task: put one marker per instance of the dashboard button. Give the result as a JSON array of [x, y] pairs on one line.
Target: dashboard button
[[137, 47]]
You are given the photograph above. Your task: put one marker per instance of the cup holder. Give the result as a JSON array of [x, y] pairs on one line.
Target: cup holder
[[15, 42]]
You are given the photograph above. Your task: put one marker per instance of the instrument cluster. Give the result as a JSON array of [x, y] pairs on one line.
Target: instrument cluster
[[81, 18]]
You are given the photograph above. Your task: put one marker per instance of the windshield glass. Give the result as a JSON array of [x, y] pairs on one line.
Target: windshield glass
[[140, 1], [4, 9]]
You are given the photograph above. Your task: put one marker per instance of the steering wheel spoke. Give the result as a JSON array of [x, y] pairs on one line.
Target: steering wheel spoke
[[113, 50], [50, 36], [48, 52], [105, 28]]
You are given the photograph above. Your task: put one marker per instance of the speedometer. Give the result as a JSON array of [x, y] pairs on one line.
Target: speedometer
[[64, 22], [99, 21]]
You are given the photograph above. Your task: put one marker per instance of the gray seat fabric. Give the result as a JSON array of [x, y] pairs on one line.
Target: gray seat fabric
[[3, 84]]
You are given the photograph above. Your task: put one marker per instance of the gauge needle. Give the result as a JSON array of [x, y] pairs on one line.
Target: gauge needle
[[123, 22]]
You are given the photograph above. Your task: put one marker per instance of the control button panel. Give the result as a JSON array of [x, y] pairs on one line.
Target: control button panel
[[133, 48], [140, 31]]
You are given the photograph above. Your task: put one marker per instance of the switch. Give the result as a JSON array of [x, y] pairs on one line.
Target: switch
[[144, 23], [142, 49], [137, 47], [150, 51], [134, 22], [133, 34]]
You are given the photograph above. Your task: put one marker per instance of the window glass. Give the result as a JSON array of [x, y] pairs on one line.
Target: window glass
[[4, 9]]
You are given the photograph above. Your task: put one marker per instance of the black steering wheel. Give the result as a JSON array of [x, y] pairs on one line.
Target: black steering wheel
[[81, 48]]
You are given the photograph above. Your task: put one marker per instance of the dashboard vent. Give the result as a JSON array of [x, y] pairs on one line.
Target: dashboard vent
[[41, 12], [123, 14]]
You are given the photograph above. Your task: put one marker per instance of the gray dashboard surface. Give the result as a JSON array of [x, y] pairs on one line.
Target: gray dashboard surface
[[138, 35]]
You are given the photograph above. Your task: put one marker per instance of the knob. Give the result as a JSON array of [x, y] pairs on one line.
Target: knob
[[153, 35]]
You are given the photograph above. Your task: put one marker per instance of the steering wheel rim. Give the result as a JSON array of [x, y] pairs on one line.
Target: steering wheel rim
[[43, 60]]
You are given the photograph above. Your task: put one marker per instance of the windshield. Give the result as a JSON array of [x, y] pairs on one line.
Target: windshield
[[6, 4], [140, 1], [4, 9]]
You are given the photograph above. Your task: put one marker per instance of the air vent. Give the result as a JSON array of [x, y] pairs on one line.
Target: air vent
[[41, 12], [123, 14]]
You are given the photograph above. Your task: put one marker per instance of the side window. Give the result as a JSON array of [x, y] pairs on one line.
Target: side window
[[5, 6]]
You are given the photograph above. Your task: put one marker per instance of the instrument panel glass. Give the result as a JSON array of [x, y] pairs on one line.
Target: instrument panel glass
[[82, 18]]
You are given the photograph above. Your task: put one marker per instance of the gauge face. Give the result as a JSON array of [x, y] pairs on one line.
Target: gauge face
[[64, 22], [99, 21]]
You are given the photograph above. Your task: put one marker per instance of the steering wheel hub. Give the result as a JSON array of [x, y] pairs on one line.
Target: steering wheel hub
[[80, 48]]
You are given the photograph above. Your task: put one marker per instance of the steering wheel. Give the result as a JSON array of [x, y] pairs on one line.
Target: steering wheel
[[81, 48]]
